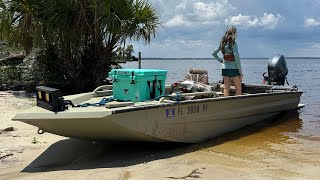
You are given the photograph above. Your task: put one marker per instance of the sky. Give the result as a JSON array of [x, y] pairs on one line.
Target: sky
[[193, 28]]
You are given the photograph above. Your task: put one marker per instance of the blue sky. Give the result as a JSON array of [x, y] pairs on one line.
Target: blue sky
[[193, 28]]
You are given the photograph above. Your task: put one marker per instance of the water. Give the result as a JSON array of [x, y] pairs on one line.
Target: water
[[287, 147]]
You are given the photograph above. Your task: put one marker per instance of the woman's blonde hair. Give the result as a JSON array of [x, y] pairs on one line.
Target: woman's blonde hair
[[229, 37]]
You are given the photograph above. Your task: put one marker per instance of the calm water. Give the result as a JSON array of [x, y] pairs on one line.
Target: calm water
[[302, 72]]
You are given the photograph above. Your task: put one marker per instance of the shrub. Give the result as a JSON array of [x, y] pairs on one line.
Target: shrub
[[10, 74]]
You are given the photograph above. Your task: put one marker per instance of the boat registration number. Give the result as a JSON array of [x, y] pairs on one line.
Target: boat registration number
[[186, 110]]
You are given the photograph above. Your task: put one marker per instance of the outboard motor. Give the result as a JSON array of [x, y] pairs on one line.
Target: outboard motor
[[277, 71]]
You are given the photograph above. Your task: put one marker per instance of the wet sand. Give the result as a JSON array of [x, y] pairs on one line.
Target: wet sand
[[268, 150]]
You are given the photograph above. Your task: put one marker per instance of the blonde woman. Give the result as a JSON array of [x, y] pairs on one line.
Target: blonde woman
[[231, 65]]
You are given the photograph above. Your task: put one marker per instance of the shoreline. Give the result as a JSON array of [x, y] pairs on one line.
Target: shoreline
[[208, 58]]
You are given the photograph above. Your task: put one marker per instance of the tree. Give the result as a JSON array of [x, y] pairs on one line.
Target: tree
[[119, 55], [129, 50], [80, 35]]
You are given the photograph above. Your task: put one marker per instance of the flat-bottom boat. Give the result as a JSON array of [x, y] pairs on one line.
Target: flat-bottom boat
[[166, 119]]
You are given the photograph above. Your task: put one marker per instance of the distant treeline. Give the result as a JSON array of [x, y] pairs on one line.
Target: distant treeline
[[156, 58]]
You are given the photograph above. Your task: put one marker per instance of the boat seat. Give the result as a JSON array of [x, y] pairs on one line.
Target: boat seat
[[116, 104], [198, 75]]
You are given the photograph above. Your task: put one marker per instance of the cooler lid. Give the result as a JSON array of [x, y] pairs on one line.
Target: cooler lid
[[138, 72]]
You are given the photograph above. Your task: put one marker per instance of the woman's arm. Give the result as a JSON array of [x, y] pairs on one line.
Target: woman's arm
[[215, 55], [237, 57]]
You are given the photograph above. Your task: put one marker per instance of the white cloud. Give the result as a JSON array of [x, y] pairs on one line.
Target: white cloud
[[208, 12], [191, 44], [173, 47], [198, 12], [187, 22], [184, 43], [315, 45], [177, 21], [311, 22], [267, 21]]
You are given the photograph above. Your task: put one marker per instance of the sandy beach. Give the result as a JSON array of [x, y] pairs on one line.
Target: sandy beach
[[254, 152]]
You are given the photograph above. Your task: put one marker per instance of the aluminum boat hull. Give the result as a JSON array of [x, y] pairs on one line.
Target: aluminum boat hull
[[188, 121]]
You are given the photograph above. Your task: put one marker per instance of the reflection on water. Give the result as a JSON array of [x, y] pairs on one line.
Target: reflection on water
[[273, 148], [261, 135]]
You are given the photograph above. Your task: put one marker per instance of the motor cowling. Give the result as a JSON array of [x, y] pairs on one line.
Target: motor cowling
[[277, 70]]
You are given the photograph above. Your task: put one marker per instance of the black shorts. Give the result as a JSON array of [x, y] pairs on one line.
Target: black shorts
[[230, 72]]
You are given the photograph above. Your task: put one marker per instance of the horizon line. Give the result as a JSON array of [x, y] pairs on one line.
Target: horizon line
[[293, 57]]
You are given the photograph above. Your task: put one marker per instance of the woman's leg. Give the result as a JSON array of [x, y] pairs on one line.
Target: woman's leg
[[227, 82], [237, 83]]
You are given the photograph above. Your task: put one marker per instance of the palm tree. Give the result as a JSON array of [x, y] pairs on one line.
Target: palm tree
[[81, 35], [129, 50], [119, 55]]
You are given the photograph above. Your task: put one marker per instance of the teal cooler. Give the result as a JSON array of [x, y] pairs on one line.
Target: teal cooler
[[138, 85]]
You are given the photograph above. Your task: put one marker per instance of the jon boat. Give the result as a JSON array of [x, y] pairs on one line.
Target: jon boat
[[171, 118]]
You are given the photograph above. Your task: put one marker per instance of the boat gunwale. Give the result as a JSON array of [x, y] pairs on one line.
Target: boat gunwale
[[152, 106]]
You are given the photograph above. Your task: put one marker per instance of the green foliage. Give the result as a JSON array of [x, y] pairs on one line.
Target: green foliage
[[78, 36], [47, 67], [123, 54], [10, 74]]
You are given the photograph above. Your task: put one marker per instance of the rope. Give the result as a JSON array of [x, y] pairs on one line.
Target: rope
[[101, 103]]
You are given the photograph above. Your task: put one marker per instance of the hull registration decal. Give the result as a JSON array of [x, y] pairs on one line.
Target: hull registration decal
[[187, 110], [170, 113]]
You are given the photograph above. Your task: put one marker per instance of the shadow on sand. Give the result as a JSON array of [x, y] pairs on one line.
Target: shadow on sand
[[72, 154]]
